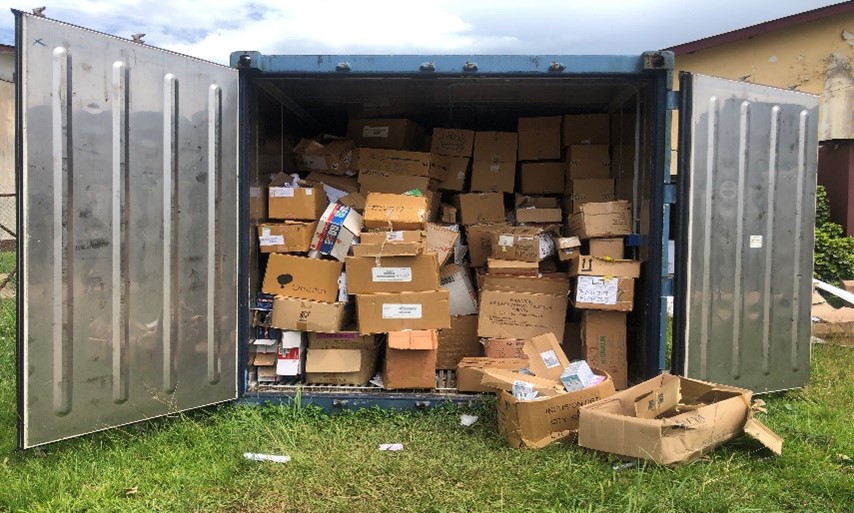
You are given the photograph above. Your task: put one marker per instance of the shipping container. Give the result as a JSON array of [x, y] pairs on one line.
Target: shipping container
[[142, 174]]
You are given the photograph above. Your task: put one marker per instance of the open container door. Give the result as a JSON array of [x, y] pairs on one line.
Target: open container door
[[747, 174], [128, 198]]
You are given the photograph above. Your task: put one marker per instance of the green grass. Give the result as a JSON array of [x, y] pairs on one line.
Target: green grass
[[193, 462]]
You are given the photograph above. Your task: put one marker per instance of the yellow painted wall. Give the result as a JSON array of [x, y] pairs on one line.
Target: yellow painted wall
[[813, 57]]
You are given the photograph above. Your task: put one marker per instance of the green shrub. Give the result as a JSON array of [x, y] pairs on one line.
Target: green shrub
[[834, 252]]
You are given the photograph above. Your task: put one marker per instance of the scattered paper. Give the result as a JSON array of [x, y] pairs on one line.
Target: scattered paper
[[626, 465], [377, 380], [467, 420], [391, 447], [266, 457]]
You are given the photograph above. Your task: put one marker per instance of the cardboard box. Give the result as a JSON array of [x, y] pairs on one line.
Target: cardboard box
[[539, 138], [568, 248], [341, 182], [294, 203], [520, 315], [353, 200], [463, 296], [479, 239], [594, 266], [396, 243], [497, 266], [369, 275], [504, 348], [609, 219], [603, 343], [394, 134], [541, 177], [410, 359], [452, 142], [480, 208], [545, 356], [555, 284], [607, 248], [344, 358], [335, 157], [495, 146], [586, 129], [339, 227], [526, 201], [493, 177], [470, 371], [456, 171], [372, 180], [640, 422], [588, 161], [539, 422], [288, 237], [539, 215], [526, 243], [381, 313], [505, 379], [302, 277], [589, 190], [458, 342], [290, 354], [305, 315], [604, 293], [391, 212], [412, 163], [442, 240]]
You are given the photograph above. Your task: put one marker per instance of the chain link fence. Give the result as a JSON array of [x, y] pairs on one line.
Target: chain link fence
[[8, 263]]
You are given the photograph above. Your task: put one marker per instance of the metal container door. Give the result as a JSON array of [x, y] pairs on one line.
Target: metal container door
[[127, 179], [747, 178]]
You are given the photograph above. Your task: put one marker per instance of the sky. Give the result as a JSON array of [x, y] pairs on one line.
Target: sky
[[213, 29]]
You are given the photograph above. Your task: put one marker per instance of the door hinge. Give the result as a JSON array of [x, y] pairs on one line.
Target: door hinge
[[674, 98], [669, 193]]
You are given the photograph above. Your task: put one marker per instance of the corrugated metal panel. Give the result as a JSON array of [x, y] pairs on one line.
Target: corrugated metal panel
[[749, 203], [129, 197]]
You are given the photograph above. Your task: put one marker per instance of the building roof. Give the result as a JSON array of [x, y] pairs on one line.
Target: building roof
[[763, 28]]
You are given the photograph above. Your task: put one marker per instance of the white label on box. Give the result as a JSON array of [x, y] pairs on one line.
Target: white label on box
[[309, 191], [391, 274], [281, 192], [550, 359], [755, 241], [401, 311], [505, 240], [394, 237], [272, 240], [597, 290], [375, 131]]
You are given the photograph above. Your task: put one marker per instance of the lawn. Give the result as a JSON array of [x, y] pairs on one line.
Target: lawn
[[194, 462]]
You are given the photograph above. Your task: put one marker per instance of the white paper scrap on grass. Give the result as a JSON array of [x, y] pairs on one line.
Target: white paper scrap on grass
[[391, 447], [275, 458], [467, 420]]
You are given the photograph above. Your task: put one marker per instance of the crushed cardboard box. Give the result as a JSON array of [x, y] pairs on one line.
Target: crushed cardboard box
[[470, 371], [334, 157], [338, 229]]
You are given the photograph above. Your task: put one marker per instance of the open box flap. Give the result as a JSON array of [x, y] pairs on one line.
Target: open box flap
[[758, 431]]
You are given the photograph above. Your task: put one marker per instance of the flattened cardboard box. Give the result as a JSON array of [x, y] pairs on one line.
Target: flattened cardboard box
[[604, 293], [391, 212], [711, 415], [410, 360], [586, 265], [520, 315], [369, 275], [305, 315], [539, 138], [294, 203], [456, 279], [334, 158], [537, 423], [588, 161], [456, 171], [603, 343], [458, 342], [384, 312], [345, 358], [608, 219], [373, 180], [412, 163], [452, 142], [442, 240], [480, 208], [302, 277], [394, 134], [493, 176], [586, 129], [470, 371], [541, 177], [288, 237], [495, 146]]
